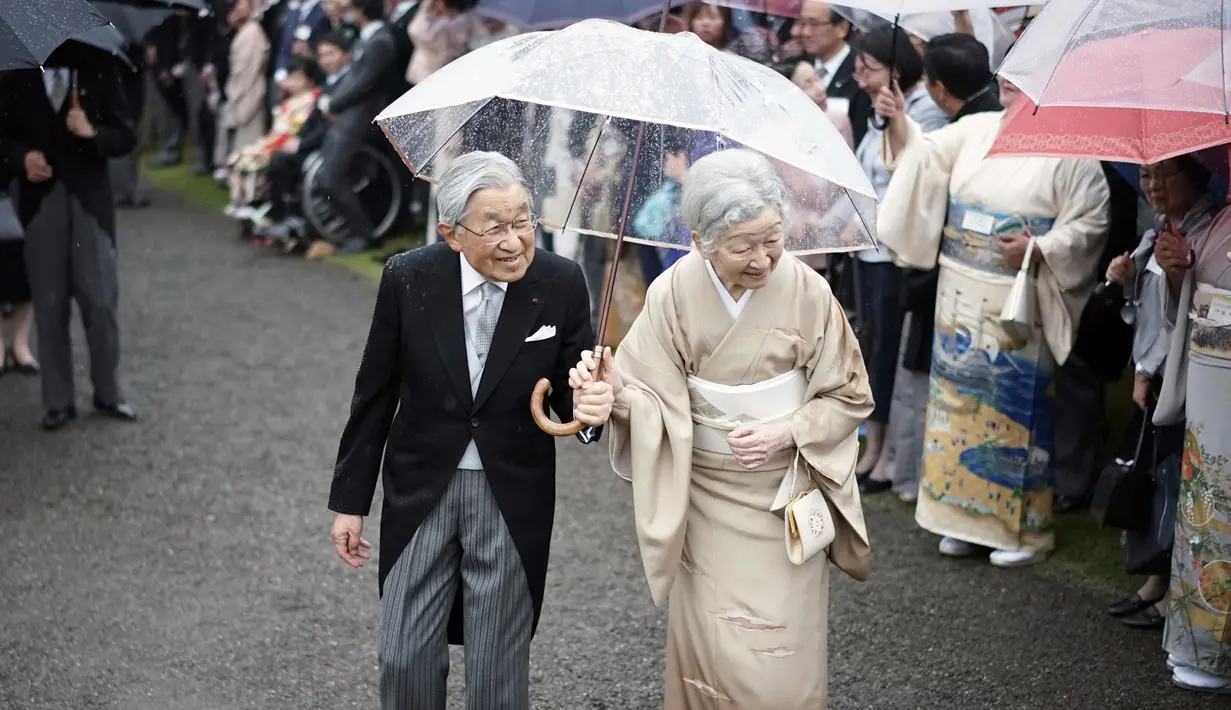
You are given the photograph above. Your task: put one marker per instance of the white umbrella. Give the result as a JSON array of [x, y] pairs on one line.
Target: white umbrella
[[617, 76]]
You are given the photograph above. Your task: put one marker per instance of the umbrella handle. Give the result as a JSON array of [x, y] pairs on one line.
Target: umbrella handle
[[543, 421]]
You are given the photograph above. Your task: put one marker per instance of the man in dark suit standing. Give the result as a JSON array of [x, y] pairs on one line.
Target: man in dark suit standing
[[462, 331], [359, 96], [400, 16], [825, 35], [63, 127]]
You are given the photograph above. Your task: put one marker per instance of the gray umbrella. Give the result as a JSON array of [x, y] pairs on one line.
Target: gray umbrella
[[82, 49], [134, 22]]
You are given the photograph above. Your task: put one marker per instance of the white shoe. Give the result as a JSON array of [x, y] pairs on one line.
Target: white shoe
[[1016, 558], [953, 547], [908, 497], [1200, 681], [231, 209], [1173, 661]]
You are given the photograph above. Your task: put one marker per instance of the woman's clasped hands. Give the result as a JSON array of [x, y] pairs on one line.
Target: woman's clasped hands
[[593, 395], [752, 445]]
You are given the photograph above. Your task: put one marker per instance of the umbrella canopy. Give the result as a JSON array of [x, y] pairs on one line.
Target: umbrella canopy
[[569, 124], [550, 14], [989, 28], [83, 49], [134, 22], [31, 29], [891, 9], [1105, 80]]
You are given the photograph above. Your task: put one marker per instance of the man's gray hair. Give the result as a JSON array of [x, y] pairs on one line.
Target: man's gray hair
[[727, 188], [467, 175]]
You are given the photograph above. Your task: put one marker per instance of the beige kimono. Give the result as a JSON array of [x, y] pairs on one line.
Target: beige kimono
[[746, 629]]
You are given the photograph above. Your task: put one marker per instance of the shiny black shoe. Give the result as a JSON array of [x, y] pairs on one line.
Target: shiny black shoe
[[1148, 619], [1131, 604], [871, 486], [1069, 504], [57, 419], [119, 410]]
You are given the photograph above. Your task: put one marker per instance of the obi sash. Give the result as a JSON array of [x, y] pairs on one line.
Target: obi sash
[[970, 236], [1210, 335], [717, 410]]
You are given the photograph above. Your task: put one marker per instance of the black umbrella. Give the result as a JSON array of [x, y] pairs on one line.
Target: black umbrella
[[83, 49], [134, 22], [197, 5], [31, 29]]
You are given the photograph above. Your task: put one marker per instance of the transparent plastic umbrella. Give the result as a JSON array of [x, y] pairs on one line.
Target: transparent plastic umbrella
[[599, 116], [1127, 80]]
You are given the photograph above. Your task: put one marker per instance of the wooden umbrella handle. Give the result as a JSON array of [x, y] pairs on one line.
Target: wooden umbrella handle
[[540, 414]]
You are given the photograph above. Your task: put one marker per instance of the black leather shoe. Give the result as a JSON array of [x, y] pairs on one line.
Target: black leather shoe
[[1148, 618], [1131, 604], [1069, 504], [870, 486], [57, 419], [120, 410]]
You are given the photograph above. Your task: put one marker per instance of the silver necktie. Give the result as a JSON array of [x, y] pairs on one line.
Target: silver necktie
[[485, 324]]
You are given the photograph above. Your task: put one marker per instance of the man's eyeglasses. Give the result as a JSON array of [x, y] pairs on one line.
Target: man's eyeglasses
[[500, 232]]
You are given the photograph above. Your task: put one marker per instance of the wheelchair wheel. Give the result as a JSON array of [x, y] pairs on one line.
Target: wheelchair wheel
[[376, 180]]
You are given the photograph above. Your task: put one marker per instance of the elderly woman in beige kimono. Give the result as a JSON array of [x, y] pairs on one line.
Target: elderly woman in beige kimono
[[987, 478], [737, 325]]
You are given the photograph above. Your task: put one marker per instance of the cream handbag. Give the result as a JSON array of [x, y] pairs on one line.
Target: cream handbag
[[808, 524], [1018, 316]]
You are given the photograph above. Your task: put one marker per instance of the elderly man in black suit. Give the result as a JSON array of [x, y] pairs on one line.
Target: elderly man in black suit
[[354, 103], [462, 331], [61, 128]]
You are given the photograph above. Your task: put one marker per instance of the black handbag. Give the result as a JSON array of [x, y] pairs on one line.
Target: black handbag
[[1149, 551], [1124, 494]]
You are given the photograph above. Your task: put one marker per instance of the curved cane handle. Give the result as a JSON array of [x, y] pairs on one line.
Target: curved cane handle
[[540, 414]]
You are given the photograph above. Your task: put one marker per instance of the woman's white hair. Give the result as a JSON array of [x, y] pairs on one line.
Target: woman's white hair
[[467, 175], [727, 188]]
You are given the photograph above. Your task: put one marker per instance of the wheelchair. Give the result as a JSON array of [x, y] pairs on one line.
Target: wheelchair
[[379, 182]]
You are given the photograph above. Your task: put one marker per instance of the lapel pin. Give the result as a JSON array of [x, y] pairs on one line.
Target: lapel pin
[[534, 301]]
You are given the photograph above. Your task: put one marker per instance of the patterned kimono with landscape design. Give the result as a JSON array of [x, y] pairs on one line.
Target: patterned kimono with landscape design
[[987, 473]]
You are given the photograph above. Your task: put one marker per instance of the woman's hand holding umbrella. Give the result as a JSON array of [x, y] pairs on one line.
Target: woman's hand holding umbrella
[[595, 387], [1172, 253], [890, 104]]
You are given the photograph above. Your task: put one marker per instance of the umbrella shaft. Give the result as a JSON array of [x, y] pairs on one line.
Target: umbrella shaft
[[615, 257]]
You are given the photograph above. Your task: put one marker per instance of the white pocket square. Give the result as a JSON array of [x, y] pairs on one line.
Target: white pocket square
[[543, 333]]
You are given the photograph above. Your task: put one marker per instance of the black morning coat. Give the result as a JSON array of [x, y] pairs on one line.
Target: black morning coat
[[413, 404], [29, 122]]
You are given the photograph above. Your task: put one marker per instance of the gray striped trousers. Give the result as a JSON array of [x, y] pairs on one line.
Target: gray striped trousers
[[465, 541]]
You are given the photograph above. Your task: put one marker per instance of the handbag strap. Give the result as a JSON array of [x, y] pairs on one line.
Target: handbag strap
[[1141, 436], [1026, 262]]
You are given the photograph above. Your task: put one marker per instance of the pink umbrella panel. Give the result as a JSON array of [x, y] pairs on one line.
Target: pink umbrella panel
[[1132, 98]]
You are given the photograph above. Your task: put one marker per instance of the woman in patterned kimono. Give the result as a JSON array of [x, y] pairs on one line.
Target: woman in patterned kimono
[[1197, 388], [739, 322], [987, 474]]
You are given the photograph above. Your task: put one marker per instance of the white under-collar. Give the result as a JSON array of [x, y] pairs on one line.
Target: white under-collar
[[472, 279], [733, 307], [370, 29]]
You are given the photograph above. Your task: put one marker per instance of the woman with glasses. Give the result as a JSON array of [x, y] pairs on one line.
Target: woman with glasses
[[1176, 189], [884, 61]]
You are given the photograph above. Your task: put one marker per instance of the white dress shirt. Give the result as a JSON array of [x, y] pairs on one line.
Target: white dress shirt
[[828, 70], [49, 81], [401, 9], [472, 298], [733, 306]]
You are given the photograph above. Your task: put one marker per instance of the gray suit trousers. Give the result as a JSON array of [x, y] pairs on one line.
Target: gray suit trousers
[[70, 258], [463, 541]]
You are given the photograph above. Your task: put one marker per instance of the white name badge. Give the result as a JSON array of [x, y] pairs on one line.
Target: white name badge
[[1220, 310], [303, 33], [978, 222], [1153, 267], [839, 104]]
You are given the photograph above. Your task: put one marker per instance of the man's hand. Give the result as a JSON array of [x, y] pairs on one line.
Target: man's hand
[[1013, 247], [752, 445], [1122, 269], [348, 539], [1141, 390], [592, 404], [78, 124], [37, 169]]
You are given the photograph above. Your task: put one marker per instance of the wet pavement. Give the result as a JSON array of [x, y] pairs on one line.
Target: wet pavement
[[184, 562]]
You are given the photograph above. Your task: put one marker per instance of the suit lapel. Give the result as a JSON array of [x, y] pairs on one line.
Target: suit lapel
[[522, 304], [444, 309]]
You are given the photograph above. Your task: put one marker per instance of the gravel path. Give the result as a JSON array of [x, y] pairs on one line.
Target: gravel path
[[183, 563]]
